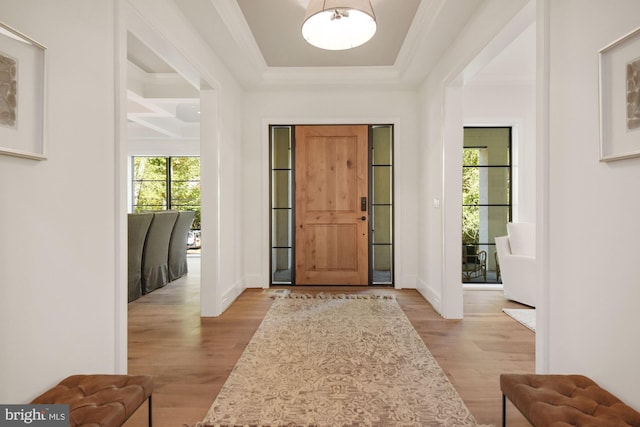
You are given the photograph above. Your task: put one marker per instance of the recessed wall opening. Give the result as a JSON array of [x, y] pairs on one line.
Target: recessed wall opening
[[374, 207]]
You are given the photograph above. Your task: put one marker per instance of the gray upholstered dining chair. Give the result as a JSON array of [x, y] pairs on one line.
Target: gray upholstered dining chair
[[155, 257], [178, 245], [138, 226]]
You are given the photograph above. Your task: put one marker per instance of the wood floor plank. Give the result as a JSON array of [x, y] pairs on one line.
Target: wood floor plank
[[191, 357]]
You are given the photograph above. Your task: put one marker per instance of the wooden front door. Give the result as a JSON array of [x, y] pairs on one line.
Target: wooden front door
[[332, 218]]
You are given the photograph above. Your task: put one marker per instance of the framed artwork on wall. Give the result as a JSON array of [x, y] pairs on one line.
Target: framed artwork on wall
[[22, 95], [620, 98]]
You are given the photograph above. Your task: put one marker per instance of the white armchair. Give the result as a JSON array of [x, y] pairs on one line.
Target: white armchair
[[517, 258]]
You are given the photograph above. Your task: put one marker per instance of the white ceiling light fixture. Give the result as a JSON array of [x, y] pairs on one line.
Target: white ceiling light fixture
[[339, 24]]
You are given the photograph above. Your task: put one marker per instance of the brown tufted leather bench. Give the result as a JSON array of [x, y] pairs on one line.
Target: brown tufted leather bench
[[100, 400], [564, 400]]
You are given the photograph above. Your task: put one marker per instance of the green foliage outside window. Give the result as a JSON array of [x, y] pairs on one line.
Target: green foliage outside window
[[150, 183], [470, 196], [161, 183]]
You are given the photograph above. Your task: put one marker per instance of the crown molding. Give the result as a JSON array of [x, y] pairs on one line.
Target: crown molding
[[333, 76], [237, 25], [422, 24]]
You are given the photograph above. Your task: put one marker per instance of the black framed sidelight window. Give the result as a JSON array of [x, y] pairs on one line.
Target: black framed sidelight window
[[282, 205], [486, 200]]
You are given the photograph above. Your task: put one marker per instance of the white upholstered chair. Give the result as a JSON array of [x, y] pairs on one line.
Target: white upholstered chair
[[517, 257]]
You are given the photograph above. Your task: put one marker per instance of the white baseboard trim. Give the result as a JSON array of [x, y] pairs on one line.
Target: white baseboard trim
[[408, 282], [430, 295], [254, 281], [231, 295]]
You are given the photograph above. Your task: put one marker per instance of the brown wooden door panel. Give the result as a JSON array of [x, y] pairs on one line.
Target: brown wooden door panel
[[331, 178]]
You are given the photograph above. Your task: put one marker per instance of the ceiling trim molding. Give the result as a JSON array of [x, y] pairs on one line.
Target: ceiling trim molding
[[139, 25], [359, 76], [522, 20], [435, 27], [424, 20], [501, 80], [269, 76], [237, 25], [145, 83]]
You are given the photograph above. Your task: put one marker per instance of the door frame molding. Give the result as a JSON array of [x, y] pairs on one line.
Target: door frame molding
[[401, 280]]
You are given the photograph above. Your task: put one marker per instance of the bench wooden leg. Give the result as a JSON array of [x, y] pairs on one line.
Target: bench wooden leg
[[504, 411], [150, 423]]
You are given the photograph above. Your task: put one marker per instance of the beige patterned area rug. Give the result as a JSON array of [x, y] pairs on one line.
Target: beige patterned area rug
[[345, 360]]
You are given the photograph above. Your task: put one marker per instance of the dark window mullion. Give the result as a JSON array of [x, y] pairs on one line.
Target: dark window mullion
[[489, 205], [169, 172], [486, 166]]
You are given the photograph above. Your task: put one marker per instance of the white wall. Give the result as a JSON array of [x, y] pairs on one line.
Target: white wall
[[593, 208], [510, 105], [163, 148], [62, 245], [57, 310], [329, 106], [442, 119]]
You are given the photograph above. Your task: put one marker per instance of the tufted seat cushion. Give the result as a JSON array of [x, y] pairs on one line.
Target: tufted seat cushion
[[566, 400], [99, 400]]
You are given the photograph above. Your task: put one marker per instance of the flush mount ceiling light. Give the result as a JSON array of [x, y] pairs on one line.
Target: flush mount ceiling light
[[339, 24]]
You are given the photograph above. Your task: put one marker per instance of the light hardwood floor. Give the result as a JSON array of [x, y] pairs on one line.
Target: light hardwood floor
[[191, 357]]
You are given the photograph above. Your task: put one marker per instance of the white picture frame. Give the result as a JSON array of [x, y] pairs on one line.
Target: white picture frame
[[22, 95]]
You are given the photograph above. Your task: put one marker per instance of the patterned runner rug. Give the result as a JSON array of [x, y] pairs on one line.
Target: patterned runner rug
[[337, 360]]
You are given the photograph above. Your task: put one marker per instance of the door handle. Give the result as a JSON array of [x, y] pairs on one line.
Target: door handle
[[363, 218]]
